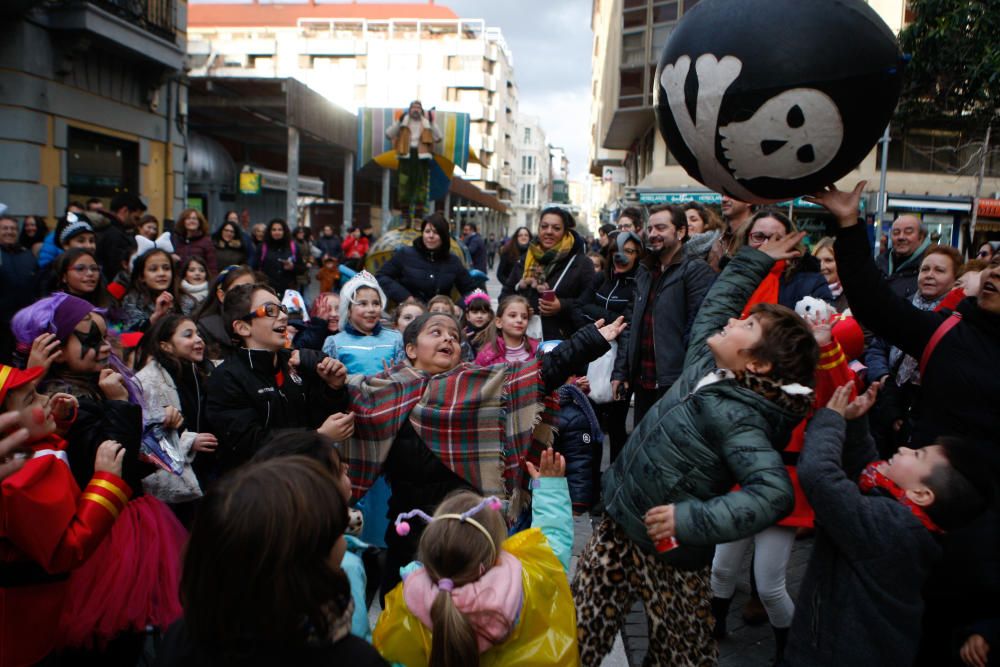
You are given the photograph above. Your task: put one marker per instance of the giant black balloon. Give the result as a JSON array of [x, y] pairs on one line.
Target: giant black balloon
[[766, 100]]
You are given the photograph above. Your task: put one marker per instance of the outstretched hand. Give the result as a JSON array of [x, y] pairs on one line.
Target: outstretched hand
[[843, 205], [783, 248], [551, 464], [841, 404], [613, 330]]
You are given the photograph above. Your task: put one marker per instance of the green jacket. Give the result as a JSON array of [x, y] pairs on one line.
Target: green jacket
[[693, 446]]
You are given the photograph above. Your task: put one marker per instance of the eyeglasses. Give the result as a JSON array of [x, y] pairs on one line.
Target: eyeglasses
[[760, 237], [85, 268], [266, 310]]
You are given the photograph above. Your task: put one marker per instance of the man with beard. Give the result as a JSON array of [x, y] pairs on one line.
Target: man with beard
[[669, 288]]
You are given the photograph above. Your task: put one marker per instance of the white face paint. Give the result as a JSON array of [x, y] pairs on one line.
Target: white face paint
[[792, 135]]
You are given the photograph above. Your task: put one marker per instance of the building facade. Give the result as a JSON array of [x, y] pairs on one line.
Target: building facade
[[372, 55], [93, 104], [924, 175], [533, 172]]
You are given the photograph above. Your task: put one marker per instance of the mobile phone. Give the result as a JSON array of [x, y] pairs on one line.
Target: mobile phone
[[548, 295]]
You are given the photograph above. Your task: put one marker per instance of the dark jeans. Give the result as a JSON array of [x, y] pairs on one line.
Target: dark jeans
[[644, 400]]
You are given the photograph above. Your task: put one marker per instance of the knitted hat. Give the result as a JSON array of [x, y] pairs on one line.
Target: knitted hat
[[347, 292], [75, 225]]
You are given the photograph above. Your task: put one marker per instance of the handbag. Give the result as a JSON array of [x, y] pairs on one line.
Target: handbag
[[599, 375]]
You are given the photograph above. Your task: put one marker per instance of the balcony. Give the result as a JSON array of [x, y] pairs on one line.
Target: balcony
[[143, 29]]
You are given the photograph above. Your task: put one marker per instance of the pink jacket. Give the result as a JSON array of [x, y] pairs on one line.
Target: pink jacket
[[497, 353]]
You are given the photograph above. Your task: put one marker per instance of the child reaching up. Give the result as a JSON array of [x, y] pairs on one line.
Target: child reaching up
[[744, 386], [876, 536], [478, 597], [505, 339]]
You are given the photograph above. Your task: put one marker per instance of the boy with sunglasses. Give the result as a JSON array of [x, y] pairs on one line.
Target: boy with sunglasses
[[264, 385]]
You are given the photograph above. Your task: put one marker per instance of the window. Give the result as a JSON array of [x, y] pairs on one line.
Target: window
[[527, 135], [634, 18], [100, 166], [665, 12], [634, 49], [527, 165], [527, 194], [939, 150]]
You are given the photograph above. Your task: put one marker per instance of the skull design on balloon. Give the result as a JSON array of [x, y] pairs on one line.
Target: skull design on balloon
[[785, 96]]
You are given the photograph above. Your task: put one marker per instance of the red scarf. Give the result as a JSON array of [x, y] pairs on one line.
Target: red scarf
[[767, 291], [872, 479]]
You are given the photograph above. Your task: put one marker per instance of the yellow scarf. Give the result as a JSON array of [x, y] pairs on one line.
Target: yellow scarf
[[546, 259]]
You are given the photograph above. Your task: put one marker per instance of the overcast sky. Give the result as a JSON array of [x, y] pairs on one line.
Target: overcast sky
[[551, 42]]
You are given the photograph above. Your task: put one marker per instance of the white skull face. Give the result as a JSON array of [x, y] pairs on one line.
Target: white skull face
[[792, 135]]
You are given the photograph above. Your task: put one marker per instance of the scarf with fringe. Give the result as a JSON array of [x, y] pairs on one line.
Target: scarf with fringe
[[480, 422]]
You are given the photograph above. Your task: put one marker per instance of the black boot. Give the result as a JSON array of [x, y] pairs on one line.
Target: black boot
[[780, 639], [720, 609]]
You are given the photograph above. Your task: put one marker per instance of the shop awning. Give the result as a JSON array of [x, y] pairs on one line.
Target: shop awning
[[989, 208], [462, 188]]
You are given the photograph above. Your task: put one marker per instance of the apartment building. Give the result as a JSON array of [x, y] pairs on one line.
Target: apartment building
[[924, 177], [377, 55], [94, 104], [533, 171]]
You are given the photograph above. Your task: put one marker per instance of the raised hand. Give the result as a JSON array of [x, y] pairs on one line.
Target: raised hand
[[551, 464], [332, 371], [44, 350], [843, 205], [164, 303]]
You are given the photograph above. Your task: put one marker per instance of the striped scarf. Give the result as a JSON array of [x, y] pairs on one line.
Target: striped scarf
[[480, 422]]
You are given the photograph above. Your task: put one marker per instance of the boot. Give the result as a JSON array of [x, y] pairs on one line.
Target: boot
[[753, 611], [720, 609], [780, 640]]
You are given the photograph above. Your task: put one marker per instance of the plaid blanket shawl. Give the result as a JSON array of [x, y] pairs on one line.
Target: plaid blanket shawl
[[481, 422]]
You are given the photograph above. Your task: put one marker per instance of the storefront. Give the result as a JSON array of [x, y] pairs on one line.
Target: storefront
[[942, 217]]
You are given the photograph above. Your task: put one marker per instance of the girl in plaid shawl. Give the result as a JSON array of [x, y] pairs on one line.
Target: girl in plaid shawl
[[436, 425]]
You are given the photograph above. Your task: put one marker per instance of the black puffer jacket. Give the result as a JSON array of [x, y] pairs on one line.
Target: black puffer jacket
[[245, 402], [417, 272], [576, 280], [578, 428], [902, 281]]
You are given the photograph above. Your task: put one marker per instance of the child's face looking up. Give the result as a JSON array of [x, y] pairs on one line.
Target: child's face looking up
[[365, 310], [731, 346], [264, 333], [908, 468]]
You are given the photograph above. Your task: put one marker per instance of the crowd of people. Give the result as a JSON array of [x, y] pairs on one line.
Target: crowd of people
[[201, 465]]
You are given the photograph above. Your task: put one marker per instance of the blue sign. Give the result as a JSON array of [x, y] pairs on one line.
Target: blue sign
[[651, 198]]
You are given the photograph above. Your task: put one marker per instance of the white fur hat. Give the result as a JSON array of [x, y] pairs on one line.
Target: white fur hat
[[359, 280]]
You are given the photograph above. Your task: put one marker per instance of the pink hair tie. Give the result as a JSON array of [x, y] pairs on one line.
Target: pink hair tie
[[477, 294], [446, 585]]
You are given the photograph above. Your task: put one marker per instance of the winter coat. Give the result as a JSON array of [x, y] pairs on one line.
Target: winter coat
[[412, 271], [680, 293], [355, 248], [158, 392], [269, 262], [365, 354], [230, 254], [477, 251], [115, 245], [18, 281], [612, 298], [575, 281], [312, 335], [330, 245], [860, 601], [246, 402], [695, 443], [804, 280], [198, 246], [135, 311], [497, 353], [507, 265], [578, 428], [179, 650], [902, 281], [418, 477], [49, 251]]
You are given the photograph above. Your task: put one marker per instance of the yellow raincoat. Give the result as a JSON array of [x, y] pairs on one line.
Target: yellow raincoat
[[545, 633]]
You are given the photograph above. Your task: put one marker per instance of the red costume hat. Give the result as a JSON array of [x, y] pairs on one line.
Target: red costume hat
[[12, 378]]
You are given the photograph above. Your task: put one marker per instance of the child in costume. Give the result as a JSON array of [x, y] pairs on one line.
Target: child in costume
[[477, 317], [478, 597], [138, 566], [878, 529], [744, 387], [48, 526]]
